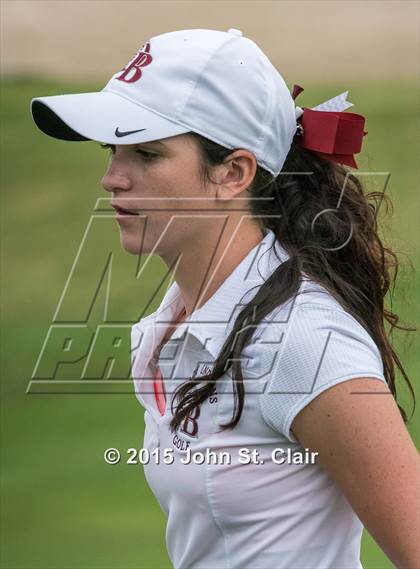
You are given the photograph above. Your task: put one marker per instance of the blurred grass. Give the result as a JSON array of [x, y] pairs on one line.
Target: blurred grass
[[62, 506]]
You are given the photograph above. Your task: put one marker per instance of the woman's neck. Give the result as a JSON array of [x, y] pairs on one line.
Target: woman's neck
[[206, 263]]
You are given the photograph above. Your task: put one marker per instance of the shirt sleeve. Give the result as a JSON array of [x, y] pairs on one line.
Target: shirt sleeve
[[320, 347]]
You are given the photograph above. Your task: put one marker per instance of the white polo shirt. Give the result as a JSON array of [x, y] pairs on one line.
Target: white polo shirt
[[264, 514]]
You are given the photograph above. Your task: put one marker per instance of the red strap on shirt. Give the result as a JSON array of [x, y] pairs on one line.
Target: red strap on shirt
[[159, 389]]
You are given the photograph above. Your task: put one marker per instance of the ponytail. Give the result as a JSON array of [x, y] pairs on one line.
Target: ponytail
[[326, 222]]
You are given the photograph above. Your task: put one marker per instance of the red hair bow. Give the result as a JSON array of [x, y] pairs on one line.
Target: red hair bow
[[327, 131]]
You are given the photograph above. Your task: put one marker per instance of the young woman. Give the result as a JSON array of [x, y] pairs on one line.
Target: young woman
[[267, 373]]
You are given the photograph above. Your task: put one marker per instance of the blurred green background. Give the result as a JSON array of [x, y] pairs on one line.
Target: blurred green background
[[62, 506]]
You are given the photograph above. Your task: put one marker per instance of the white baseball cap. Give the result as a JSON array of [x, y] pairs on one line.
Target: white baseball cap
[[217, 84]]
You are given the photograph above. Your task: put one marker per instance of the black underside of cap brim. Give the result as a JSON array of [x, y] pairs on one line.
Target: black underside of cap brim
[[51, 124]]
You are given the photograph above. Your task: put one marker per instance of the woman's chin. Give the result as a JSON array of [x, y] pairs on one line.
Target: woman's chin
[[133, 245]]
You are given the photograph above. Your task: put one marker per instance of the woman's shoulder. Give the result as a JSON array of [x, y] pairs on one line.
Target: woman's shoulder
[[307, 347], [311, 293], [310, 317], [311, 298]]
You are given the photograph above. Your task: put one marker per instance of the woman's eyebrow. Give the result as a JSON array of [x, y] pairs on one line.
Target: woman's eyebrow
[[153, 142]]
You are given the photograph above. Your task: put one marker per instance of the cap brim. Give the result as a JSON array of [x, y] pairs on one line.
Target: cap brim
[[102, 116]]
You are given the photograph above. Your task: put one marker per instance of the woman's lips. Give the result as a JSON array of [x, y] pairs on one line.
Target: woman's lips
[[121, 211]]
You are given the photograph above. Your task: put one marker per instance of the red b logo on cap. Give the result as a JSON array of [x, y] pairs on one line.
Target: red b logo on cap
[[133, 72]]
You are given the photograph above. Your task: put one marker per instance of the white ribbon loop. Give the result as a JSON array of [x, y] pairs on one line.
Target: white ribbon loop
[[337, 104]]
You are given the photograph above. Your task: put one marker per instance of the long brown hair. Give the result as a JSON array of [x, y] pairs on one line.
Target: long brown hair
[[328, 224]]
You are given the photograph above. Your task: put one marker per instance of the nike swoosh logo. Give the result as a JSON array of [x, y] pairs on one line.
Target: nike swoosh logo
[[120, 133]]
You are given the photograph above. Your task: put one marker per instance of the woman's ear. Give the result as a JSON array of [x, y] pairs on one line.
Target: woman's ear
[[235, 175]]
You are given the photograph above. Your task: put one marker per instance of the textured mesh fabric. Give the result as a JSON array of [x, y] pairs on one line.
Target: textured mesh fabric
[[322, 347]]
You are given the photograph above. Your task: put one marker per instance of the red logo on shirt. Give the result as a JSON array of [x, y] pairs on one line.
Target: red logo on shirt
[[132, 72], [190, 424]]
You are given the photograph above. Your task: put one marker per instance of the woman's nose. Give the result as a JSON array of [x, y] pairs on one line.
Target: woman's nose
[[115, 179]]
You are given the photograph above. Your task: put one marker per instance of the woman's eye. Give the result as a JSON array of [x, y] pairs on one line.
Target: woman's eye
[[146, 155]]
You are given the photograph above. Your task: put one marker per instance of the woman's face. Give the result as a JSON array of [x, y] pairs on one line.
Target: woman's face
[[154, 182]]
